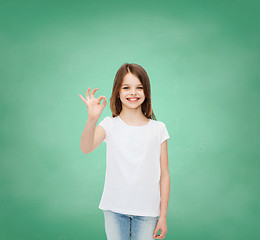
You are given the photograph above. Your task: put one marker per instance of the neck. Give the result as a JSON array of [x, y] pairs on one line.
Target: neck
[[132, 115]]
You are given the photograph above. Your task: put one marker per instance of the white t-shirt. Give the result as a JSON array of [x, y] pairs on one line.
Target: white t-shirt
[[132, 181]]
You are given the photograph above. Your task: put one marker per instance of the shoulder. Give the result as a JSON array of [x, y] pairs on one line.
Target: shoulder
[[158, 123], [108, 119], [106, 123]]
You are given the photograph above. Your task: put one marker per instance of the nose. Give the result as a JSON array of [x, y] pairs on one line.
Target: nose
[[132, 92]]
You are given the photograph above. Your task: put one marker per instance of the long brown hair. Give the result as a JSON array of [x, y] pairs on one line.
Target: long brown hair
[[140, 73]]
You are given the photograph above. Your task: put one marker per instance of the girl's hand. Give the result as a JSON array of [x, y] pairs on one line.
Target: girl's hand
[[162, 226], [93, 105]]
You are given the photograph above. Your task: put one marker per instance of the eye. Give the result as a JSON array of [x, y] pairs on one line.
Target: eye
[[127, 87]]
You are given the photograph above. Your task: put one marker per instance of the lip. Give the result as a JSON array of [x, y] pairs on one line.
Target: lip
[[133, 101]]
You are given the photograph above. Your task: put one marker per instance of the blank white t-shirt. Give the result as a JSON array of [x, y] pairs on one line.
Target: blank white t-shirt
[[132, 181]]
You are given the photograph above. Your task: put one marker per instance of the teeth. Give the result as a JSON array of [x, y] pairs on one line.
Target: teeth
[[132, 98]]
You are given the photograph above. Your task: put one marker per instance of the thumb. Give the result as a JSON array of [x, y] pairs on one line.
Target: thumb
[[155, 231]]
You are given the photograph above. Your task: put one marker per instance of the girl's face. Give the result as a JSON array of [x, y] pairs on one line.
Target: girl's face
[[131, 89]]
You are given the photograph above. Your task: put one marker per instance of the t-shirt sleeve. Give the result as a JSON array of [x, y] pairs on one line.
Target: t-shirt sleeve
[[105, 123], [164, 133]]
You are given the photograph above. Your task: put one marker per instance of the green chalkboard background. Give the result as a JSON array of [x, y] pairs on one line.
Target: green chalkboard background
[[202, 59]]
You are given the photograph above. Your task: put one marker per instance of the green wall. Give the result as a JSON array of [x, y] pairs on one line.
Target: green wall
[[202, 59]]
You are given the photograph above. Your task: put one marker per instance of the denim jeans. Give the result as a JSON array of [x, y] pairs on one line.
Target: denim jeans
[[123, 226]]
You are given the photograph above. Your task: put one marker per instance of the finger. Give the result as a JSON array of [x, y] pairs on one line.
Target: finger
[[155, 232], [158, 237], [161, 235], [87, 94], [93, 92], [100, 98], [84, 100]]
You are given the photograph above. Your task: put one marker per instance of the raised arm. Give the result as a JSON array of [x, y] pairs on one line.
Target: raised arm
[[92, 136]]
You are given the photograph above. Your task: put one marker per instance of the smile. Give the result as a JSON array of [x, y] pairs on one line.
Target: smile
[[132, 99]]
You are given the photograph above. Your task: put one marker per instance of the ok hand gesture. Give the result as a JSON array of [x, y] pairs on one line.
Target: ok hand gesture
[[93, 104]]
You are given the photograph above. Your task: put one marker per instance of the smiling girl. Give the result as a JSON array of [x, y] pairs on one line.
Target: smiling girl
[[137, 182]]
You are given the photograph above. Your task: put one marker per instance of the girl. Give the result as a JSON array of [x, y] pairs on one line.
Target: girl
[[137, 182]]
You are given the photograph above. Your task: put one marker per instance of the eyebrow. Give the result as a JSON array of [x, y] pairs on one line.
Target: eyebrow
[[129, 84]]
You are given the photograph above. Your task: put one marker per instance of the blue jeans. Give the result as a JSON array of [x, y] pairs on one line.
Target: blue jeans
[[123, 226]]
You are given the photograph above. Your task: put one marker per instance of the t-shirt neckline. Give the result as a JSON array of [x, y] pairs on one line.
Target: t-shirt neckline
[[133, 126]]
